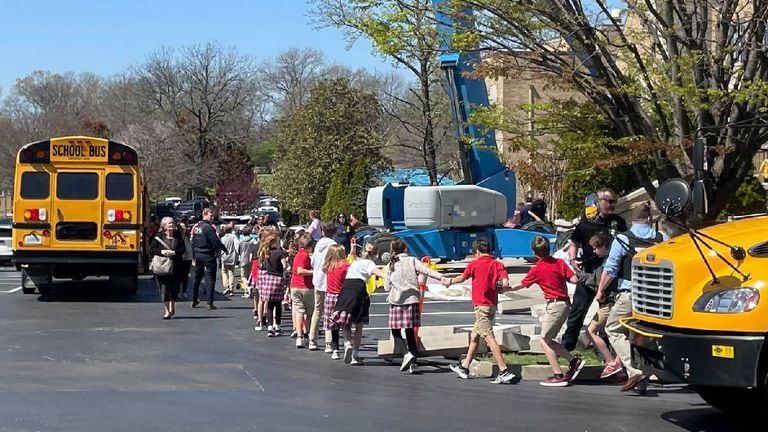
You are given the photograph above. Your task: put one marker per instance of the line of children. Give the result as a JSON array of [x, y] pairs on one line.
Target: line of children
[[551, 275]]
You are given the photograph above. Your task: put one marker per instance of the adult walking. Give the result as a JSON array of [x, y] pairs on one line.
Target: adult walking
[[315, 228], [186, 261], [604, 222], [168, 243], [618, 265], [205, 248], [343, 232]]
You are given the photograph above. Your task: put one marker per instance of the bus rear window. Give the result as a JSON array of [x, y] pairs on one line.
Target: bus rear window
[[119, 187], [35, 185], [77, 186]]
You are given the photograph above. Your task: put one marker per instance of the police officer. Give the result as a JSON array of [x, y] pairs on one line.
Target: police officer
[[205, 248]]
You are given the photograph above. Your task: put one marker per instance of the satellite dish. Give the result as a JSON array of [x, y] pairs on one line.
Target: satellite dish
[[673, 197]]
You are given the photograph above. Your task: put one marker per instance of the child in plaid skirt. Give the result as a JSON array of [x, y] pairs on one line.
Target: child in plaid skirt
[[335, 267], [271, 288], [402, 283]]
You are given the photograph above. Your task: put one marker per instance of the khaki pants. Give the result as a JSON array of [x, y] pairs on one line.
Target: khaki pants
[[228, 276], [618, 334], [485, 318], [317, 317], [245, 272]]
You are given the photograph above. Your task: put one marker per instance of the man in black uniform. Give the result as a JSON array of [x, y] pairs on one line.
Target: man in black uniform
[[205, 249], [589, 263]]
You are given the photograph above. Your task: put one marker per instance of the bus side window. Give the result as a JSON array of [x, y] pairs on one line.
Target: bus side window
[[35, 185]]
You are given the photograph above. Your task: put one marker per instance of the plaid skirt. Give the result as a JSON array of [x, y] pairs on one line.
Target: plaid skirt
[[271, 288], [352, 304], [404, 316], [328, 305]]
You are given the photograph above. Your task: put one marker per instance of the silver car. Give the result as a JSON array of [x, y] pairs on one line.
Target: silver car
[[6, 242]]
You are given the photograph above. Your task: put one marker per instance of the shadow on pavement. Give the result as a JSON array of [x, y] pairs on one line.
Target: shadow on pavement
[[703, 418]]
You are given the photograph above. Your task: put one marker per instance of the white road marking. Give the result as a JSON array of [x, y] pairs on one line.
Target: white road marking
[[429, 313], [426, 302], [17, 289]]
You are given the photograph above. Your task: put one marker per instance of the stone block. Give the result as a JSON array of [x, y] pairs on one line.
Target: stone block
[[534, 345], [518, 306], [538, 310], [449, 346], [430, 331], [527, 329], [510, 340], [542, 372], [483, 369]]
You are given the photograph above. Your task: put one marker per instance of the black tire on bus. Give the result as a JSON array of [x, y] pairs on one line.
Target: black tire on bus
[[381, 242], [737, 401], [125, 283], [35, 280]]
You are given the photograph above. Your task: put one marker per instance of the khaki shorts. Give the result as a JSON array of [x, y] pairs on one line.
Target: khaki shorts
[[601, 317], [485, 317], [554, 317], [302, 300]]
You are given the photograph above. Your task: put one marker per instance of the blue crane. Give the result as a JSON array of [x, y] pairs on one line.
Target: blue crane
[[444, 221]]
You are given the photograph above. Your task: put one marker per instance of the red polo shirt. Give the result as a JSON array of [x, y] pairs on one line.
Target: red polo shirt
[[550, 274], [301, 260], [485, 271], [335, 277]]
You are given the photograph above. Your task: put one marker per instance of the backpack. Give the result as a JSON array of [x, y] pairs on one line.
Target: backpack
[[635, 245]]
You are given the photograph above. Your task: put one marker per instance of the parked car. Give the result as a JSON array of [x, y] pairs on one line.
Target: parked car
[[193, 209], [6, 242], [174, 200], [163, 209]]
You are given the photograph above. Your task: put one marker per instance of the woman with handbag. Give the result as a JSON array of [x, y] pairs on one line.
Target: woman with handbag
[[167, 251]]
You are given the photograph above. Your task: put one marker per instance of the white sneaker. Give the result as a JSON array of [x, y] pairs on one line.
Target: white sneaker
[[412, 369], [357, 361], [277, 329], [336, 355], [258, 327], [347, 353], [299, 342], [408, 359], [328, 349], [313, 346]]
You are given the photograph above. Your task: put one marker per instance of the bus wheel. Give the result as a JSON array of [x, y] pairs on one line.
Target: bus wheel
[[125, 284], [381, 243], [736, 401], [35, 280]]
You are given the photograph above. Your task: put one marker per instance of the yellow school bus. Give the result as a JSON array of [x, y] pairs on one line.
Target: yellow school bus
[[79, 210]]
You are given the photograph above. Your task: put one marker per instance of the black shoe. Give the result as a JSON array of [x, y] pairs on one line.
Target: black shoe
[[212, 307], [166, 317], [195, 303]]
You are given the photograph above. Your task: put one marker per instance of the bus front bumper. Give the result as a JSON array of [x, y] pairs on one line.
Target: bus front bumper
[[696, 357]]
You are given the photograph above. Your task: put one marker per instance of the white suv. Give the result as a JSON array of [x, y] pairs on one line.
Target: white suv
[[6, 242]]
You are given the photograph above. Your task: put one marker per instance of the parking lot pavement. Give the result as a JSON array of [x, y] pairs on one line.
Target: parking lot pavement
[[10, 280]]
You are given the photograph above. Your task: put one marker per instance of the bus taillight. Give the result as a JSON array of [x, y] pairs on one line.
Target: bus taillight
[[36, 214], [118, 215]]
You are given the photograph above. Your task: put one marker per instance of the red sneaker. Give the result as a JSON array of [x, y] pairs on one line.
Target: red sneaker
[[611, 370], [555, 381]]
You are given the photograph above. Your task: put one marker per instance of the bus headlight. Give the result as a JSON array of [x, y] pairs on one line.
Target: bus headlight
[[728, 301]]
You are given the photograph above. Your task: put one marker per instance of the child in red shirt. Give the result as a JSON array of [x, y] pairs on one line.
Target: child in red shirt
[[551, 275], [335, 268], [485, 273]]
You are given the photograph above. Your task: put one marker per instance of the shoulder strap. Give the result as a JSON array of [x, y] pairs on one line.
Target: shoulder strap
[[163, 243]]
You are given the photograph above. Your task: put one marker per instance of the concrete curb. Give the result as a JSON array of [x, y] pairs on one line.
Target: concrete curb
[[487, 369]]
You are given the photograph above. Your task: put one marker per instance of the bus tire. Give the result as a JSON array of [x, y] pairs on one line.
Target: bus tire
[[736, 401], [35, 280], [125, 284], [541, 227], [381, 242]]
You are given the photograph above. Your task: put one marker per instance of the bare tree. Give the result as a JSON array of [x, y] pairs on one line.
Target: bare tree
[[208, 92], [289, 77]]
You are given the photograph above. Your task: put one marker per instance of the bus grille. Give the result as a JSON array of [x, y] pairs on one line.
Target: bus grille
[[653, 287]]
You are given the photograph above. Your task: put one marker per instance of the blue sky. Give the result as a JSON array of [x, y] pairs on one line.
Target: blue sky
[[107, 36]]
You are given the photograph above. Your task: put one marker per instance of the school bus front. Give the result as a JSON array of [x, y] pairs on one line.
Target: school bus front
[[78, 211]]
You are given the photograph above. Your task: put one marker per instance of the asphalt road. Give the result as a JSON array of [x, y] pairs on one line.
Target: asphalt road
[[87, 360]]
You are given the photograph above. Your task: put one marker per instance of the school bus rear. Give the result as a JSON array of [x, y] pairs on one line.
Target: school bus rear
[[78, 212]]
